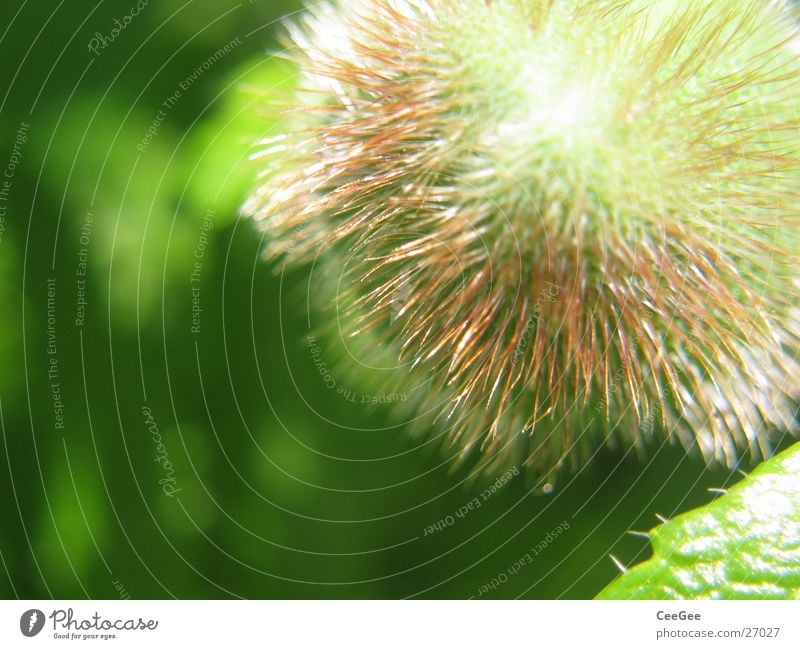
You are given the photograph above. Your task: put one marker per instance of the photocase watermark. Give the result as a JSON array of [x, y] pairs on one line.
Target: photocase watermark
[[168, 482], [620, 376], [170, 102], [31, 622], [473, 505], [547, 295], [331, 383], [102, 41], [20, 138], [297, 234], [400, 299], [121, 591], [53, 370], [197, 268], [67, 626], [82, 269], [525, 560]]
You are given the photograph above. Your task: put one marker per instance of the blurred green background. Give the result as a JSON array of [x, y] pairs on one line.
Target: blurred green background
[[253, 492]]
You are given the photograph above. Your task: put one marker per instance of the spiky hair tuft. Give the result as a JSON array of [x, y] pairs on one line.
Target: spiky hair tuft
[[590, 209]]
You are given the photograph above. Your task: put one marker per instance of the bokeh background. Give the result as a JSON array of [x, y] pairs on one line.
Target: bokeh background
[[151, 450]]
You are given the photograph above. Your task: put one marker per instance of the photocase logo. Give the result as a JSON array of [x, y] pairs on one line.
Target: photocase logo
[[31, 622]]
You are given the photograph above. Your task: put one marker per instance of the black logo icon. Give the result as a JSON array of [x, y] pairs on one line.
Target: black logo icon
[[31, 622]]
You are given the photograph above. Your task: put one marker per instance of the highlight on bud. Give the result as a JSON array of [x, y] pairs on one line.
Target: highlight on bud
[[589, 207]]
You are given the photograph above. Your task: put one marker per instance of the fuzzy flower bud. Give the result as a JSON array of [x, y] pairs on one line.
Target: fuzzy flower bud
[[589, 207]]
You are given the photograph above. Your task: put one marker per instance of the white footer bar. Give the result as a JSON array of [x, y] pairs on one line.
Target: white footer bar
[[398, 624]]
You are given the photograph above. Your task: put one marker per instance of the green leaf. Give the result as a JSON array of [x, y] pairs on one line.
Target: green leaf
[[744, 545]]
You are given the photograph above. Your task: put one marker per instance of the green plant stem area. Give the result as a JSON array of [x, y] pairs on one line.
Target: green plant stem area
[[285, 317]]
